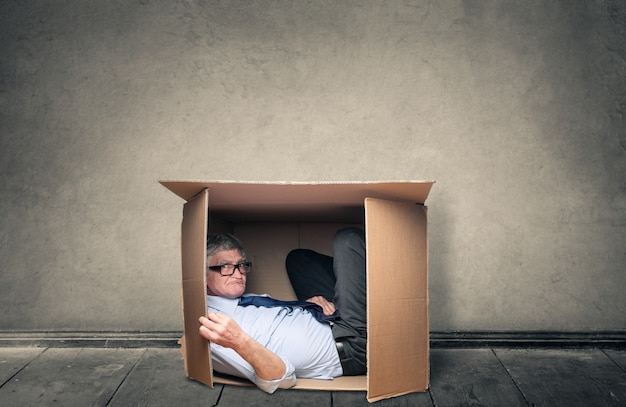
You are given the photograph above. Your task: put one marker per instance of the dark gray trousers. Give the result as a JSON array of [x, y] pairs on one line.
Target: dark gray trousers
[[342, 280]]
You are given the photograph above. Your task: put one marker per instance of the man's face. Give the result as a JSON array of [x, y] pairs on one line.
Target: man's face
[[225, 286]]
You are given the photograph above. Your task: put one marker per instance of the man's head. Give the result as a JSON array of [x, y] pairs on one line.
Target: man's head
[[225, 255]]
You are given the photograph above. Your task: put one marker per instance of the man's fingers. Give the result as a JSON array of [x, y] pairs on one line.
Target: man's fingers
[[204, 329], [209, 327], [217, 317], [327, 306]]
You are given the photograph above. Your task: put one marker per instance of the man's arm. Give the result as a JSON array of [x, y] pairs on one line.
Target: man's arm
[[222, 330]]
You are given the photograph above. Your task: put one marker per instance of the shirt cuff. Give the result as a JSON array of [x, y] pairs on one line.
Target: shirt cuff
[[288, 380]]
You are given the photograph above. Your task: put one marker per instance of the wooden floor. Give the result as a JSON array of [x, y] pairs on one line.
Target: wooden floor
[[459, 377]]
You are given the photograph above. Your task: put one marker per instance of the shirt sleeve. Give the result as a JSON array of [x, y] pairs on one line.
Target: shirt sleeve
[[288, 380], [227, 361]]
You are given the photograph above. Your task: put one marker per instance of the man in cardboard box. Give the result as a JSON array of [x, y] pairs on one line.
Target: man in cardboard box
[[321, 336]]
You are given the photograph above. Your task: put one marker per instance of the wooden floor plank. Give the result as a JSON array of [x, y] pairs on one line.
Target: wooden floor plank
[[566, 377], [617, 356], [12, 360], [159, 379], [359, 399], [252, 396], [155, 377], [464, 377], [70, 377]]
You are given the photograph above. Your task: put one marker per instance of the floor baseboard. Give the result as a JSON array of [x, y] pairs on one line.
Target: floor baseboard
[[465, 339], [90, 339], [529, 339]]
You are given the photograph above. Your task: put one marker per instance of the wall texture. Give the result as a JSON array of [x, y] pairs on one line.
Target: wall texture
[[516, 108]]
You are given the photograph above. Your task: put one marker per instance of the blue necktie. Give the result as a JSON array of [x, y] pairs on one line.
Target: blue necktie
[[264, 301]]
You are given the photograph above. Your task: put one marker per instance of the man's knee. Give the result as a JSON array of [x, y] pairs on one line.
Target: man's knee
[[350, 238], [295, 258]]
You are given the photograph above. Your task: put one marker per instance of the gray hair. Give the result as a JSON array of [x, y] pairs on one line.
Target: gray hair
[[218, 242]]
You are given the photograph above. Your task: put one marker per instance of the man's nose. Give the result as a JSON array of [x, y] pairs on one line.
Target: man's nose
[[238, 271]]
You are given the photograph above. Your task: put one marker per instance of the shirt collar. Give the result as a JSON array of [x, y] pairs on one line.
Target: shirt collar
[[221, 304]]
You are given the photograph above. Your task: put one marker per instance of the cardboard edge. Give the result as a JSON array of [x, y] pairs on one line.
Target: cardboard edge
[[342, 383], [427, 254], [394, 395], [196, 181], [197, 353], [187, 189]]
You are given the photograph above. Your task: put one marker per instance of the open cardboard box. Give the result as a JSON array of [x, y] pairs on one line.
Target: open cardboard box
[[272, 218]]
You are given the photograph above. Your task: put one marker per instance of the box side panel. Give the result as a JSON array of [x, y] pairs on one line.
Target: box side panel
[[217, 225], [193, 253], [397, 281], [319, 236], [267, 245]]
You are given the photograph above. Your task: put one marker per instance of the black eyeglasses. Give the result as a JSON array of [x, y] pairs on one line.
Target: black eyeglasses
[[229, 269]]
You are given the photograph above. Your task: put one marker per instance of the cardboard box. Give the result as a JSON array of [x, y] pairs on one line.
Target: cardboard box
[[272, 218]]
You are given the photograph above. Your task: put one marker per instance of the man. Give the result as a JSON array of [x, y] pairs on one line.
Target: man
[[271, 346]]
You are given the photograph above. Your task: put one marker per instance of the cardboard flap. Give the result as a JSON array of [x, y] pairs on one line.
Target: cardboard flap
[[397, 285], [283, 201], [193, 235]]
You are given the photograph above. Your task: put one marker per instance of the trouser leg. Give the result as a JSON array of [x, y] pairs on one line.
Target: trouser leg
[[350, 331], [342, 280], [311, 274], [350, 286]]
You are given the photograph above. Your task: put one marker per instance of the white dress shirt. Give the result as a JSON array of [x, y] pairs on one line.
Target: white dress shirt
[[306, 346]]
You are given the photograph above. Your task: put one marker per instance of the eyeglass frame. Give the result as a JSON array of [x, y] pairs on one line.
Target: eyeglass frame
[[244, 267]]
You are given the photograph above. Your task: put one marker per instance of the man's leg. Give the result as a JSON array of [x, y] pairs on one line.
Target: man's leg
[[341, 280], [350, 331], [311, 274]]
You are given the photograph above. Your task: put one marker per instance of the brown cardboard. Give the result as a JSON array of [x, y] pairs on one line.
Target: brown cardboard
[[272, 218]]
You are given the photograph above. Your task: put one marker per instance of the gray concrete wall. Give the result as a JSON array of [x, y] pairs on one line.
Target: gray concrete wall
[[516, 108]]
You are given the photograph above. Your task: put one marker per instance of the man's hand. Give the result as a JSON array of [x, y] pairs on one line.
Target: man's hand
[[327, 306], [222, 330]]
